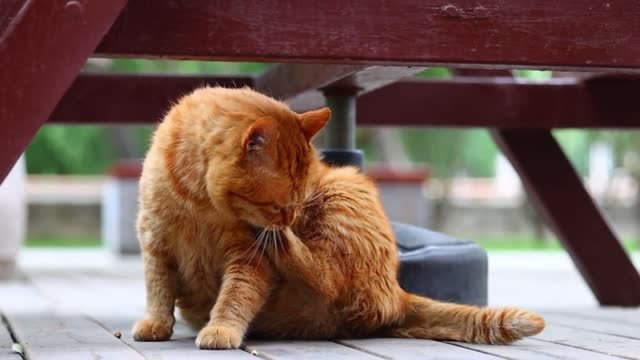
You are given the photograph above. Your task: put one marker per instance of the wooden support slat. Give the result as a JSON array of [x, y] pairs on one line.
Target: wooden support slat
[[42, 48], [130, 98], [504, 33], [283, 81], [301, 85], [598, 102], [477, 102], [562, 200]]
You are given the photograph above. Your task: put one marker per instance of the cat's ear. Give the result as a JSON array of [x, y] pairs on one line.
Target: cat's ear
[[259, 133], [313, 121]]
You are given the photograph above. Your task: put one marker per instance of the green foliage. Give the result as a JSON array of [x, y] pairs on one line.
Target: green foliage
[[450, 151], [184, 67], [533, 75], [60, 149], [436, 73]]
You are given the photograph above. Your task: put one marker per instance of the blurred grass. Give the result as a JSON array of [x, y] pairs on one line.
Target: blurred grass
[[510, 242], [526, 242], [63, 242]]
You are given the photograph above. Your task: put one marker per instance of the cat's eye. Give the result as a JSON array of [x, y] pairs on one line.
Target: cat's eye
[[276, 207]]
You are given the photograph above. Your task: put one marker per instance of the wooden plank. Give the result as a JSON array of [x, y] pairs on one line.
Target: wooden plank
[[403, 32], [283, 81], [47, 336], [181, 346], [611, 314], [593, 102], [6, 343], [481, 102], [601, 326], [414, 349], [130, 98], [303, 85], [86, 292], [309, 350], [562, 200], [589, 340], [597, 102], [533, 349], [40, 67]]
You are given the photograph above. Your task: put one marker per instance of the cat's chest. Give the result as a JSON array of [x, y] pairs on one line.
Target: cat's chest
[[199, 248]]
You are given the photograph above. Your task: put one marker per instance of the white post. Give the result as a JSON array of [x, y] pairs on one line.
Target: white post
[[13, 217]]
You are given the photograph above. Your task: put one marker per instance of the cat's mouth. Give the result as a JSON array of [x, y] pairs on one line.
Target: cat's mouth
[[257, 230]]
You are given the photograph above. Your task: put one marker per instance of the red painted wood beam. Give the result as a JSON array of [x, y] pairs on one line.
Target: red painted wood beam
[[43, 45], [598, 102], [129, 98], [559, 195], [482, 102], [494, 33], [284, 81]]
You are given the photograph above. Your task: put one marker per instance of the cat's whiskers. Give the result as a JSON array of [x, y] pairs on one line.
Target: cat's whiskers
[[279, 241], [265, 245], [275, 244], [257, 244]]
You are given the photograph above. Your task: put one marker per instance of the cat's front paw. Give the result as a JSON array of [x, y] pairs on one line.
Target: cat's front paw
[[152, 330], [215, 337]]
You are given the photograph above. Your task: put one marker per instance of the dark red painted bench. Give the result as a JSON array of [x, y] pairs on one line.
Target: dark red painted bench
[[43, 45]]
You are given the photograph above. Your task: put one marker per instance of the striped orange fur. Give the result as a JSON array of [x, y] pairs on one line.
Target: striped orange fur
[[245, 230]]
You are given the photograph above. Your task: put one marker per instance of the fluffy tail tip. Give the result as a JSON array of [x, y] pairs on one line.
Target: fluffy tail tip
[[525, 323]]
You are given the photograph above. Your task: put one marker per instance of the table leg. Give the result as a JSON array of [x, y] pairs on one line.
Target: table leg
[[43, 45], [558, 193]]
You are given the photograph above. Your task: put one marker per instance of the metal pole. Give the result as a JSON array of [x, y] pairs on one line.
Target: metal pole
[[340, 132]]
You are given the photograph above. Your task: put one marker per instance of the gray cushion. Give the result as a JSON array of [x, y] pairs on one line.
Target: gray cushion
[[441, 267]]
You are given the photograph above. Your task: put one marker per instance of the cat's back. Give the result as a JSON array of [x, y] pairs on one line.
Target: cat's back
[[346, 203]]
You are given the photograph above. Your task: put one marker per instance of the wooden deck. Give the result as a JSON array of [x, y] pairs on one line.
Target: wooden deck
[[72, 311]]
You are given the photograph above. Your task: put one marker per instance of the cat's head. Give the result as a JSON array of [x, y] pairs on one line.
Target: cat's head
[[266, 182]]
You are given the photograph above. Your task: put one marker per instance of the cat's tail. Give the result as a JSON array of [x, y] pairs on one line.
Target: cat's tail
[[429, 319]]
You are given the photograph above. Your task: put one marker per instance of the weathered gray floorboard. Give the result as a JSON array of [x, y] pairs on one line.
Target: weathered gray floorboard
[[181, 346], [532, 349], [49, 337], [611, 314], [6, 343], [308, 350], [602, 326], [415, 349], [589, 340], [86, 307]]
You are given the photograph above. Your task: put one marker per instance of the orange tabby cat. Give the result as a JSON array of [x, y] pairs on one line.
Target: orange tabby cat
[[246, 230]]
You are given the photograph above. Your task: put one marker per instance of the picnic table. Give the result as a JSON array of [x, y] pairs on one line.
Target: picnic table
[[359, 54]]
